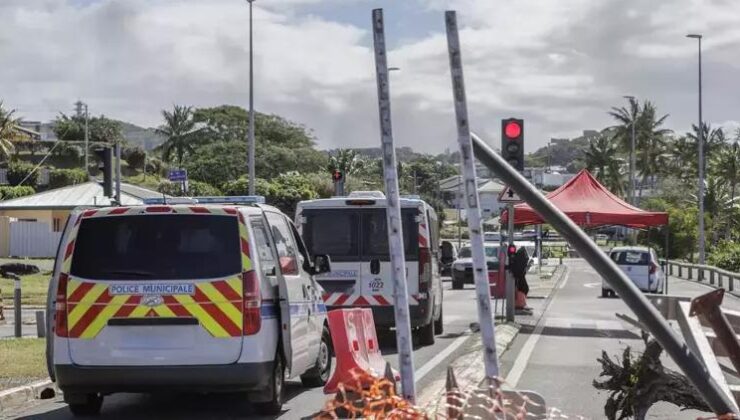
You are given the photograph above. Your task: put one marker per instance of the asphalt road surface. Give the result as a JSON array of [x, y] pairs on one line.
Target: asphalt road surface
[[459, 312], [560, 362]]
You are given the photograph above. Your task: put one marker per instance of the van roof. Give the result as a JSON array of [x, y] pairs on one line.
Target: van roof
[[257, 209], [342, 202], [631, 248]]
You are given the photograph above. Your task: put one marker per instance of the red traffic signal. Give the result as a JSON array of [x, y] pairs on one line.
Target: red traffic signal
[[512, 129], [336, 175], [512, 142]]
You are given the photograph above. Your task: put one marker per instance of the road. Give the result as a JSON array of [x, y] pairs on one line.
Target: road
[[459, 312], [560, 361]]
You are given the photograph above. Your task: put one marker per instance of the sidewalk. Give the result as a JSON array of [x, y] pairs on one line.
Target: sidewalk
[[469, 369]]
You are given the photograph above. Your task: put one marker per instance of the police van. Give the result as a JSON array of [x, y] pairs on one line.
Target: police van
[[204, 294], [353, 232]]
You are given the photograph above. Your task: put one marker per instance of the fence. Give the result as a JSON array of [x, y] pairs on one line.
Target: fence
[[33, 239], [714, 275]]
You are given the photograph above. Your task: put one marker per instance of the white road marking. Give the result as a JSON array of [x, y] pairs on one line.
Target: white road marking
[[592, 285], [440, 357], [515, 374]]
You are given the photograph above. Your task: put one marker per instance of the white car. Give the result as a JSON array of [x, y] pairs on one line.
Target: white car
[[191, 297], [641, 265]]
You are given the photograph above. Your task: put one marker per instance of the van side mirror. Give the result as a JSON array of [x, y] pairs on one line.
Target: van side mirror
[[321, 264]]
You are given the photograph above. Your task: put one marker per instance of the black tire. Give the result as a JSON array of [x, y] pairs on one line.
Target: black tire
[[439, 325], [319, 374], [89, 408], [426, 334], [604, 293], [277, 390], [457, 285]]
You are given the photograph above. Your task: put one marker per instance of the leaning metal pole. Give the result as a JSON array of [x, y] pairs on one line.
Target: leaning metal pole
[[472, 209], [692, 367], [393, 215]]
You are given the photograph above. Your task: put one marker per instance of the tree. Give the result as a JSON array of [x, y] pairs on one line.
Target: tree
[[100, 129], [180, 132], [135, 157], [682, 159], [714, 140], [7, 126], [345, 160], [726, 166], [626, 117], [651, 154], [602, 160]]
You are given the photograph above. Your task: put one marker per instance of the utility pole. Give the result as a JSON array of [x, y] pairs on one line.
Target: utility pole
[[87, 139], [393, 214], [251, 106], [118, 172], [700, 139]]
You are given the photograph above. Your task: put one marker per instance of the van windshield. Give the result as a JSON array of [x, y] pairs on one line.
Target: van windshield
[[350, 234], [162, 247]]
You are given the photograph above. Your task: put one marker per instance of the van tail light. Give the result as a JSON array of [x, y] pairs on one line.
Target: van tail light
[[425, 270], [60, 307], [653, 268], [252, 303]]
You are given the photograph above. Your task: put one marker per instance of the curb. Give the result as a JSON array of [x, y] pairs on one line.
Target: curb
[[18, 396], [469, 368]]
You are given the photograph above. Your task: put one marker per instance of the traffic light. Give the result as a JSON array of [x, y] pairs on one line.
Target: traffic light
[[337, 175], [512, 142], [105, 155]]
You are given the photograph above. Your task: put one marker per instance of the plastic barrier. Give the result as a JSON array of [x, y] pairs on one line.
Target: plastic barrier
[[355, 346], [497, 284]]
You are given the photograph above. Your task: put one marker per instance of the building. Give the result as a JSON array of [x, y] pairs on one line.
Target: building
[[488, 192], [52, 207], [44, 131]]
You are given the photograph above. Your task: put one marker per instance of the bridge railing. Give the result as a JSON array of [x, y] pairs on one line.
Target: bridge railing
[[714, 276]]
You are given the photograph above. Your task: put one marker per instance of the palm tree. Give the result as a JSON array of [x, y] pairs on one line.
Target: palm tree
[[602, 161], [682, 159], [714, 139], [180, 131], [347, 161], [625, 116], [7, 131], [726, 166]]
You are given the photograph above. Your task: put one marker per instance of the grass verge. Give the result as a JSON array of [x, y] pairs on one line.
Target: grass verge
[[33, 289], [22, 361]]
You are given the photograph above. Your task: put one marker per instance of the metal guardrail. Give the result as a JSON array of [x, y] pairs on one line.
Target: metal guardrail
[[714, 276]]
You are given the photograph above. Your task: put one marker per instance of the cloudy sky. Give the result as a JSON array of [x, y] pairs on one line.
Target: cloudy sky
[[559, 64]]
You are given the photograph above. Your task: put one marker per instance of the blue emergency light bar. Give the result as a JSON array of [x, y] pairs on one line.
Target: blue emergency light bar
[[238, 199]]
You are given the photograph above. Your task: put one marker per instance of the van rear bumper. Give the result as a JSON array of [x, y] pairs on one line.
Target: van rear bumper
[[384, 316], [200, 378]]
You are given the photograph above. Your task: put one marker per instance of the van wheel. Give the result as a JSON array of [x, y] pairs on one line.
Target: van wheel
[[604, 293], [319, 374], [426, 334], [275, 405], [439, 327], [457, 285], [85, 405]]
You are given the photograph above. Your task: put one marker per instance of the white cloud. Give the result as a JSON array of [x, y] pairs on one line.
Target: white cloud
[[559, 64]]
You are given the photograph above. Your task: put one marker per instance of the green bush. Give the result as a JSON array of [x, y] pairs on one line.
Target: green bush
[[18, 171], [726, 255], [195, 188], [135, 157], [283, 191], [9, 193], [63, 177]]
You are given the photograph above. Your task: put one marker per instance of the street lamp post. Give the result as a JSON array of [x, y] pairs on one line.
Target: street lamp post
[[700, 140], [87, 139], [251, 106]]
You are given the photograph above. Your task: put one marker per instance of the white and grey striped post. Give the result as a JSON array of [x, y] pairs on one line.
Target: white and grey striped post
[[480, 269], [393, 215]]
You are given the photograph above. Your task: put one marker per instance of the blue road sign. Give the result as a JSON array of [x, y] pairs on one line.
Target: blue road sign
[[178, 175]]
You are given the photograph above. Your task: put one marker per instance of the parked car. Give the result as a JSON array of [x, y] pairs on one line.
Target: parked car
[[462, 268], [209, 296], [447, 255], [641, 265]]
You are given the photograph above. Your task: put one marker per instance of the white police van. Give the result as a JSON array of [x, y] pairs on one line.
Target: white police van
[[205, 294], [353, 232]]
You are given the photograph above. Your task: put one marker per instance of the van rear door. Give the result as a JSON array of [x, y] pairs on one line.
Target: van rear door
[[155, 289], [335, 232], [636, 264], [377, 284]]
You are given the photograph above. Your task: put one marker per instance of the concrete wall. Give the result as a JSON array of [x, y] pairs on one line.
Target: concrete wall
[[43, 216]]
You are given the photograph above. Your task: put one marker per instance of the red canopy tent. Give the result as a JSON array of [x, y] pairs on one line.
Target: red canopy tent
[[589, 204]]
